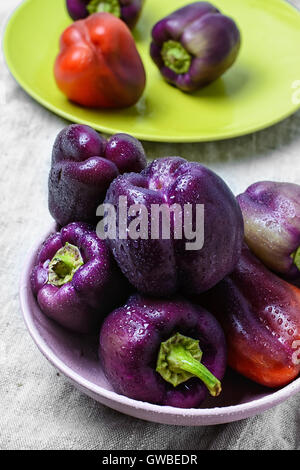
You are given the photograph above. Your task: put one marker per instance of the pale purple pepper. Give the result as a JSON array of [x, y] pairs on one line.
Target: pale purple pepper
[[195, 45], [130, 341], [83, 166], [160, 266], [97, 285], [128, 10], [271, 214]]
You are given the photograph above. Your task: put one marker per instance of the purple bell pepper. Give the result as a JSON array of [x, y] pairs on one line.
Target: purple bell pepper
[[126, 152], [271, 214], [157, 350], [83, 166], [158, 265], [75, 279], [128, 10], [195, 45]]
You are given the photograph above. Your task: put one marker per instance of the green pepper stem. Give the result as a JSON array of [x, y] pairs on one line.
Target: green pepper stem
[[296, 258], [179, 360], [64, 264], [176, 57], [107, 6]]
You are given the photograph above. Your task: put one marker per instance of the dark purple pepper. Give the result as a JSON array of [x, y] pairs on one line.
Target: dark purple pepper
[[271, 214], [75, 279], [126, 152], [194, 46], [131, 11], [77, 9], [82, 171], [128, 10], [157, 350], [161, 266]]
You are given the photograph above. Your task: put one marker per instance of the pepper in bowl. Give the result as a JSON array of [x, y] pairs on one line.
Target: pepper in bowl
[[76, 280]]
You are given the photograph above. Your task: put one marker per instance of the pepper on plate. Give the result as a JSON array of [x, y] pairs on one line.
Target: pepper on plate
[[271, 212], [98, 64], [260, 315], [194, 45], [75, 279], [128, 10], [168, 352]]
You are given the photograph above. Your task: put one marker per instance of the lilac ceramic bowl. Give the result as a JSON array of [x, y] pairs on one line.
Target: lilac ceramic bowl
[[76, 358]]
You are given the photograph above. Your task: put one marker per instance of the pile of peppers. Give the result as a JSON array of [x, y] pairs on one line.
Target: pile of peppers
[[99, 65], [171, 313], [171, 319]]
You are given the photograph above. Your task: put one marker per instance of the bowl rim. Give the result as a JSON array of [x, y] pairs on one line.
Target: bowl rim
[[233, 412]]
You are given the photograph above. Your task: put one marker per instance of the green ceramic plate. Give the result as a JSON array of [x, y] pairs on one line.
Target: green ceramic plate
[[258, 91]]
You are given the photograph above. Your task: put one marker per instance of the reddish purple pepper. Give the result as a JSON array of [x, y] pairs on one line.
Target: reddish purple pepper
[[260, 314]]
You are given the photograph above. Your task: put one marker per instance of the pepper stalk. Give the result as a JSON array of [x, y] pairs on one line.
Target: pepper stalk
[[107, 6], [179, 359], [296, 258], [66, 261], [176, 57]]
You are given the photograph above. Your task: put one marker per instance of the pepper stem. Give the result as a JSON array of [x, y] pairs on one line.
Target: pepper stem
[[176, 57], [64, 265], [107, 6], [296, 258], [179, 360]]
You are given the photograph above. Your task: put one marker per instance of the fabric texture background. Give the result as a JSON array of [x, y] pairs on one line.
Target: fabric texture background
[[39, 409]]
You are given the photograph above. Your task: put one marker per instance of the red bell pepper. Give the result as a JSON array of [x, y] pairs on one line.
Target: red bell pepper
[[98, 64]]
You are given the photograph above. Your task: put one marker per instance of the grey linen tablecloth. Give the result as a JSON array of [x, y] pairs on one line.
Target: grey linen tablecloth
[[39, 409]]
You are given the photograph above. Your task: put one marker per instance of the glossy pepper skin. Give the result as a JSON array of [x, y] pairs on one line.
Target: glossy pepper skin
[[128, 10], [271, 214], [130, 342], [158, 266], [77, 289], [98, 64], [83, 166], [194, 46], [260, 314]]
